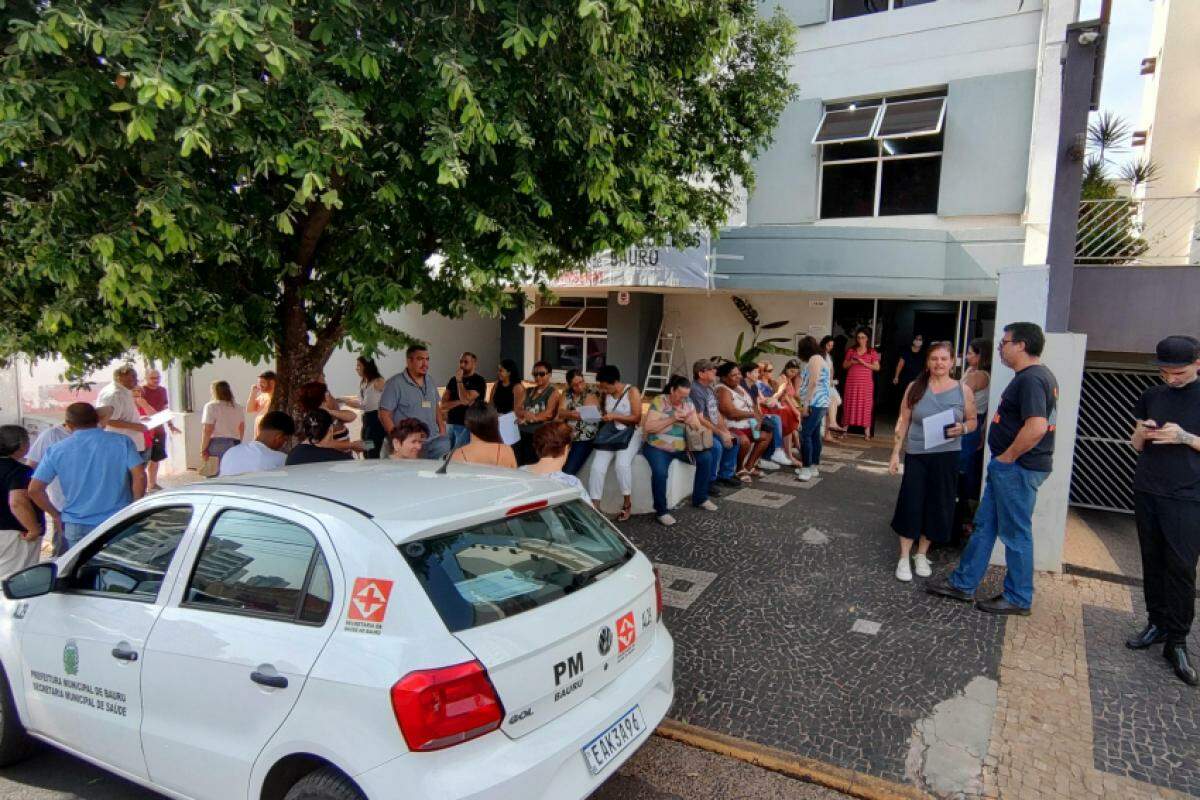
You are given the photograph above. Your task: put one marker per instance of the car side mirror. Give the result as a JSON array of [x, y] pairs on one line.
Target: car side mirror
[[33, 581]]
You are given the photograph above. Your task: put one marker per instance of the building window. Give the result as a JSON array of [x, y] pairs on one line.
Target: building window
[[845, 9], [881, 157], [573, 334]]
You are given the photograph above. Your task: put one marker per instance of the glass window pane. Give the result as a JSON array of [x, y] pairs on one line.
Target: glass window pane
[[551, 317], [848, 124], [319, 597], [593, 318], [850, 150], [252, 563], [848, 190], [910, 186], [911, 118], [845, 9], [502, 568], [133, 560], [563, 351], [597, 353], [912, 145]]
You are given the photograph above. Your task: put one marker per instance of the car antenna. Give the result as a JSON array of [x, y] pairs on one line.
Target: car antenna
[[446, 461]]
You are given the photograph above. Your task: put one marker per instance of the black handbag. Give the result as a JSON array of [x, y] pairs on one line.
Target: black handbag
[[609, 436]]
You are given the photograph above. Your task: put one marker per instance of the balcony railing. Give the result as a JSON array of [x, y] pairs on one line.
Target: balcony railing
[[1157, 231]]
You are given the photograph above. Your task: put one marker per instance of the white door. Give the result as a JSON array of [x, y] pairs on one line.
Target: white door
[[83, 644], [231, 652]]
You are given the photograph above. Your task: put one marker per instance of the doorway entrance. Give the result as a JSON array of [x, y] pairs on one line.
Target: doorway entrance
[[894, 324]]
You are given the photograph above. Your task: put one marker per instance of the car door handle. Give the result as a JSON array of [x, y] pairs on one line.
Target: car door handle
[[124, 653], [274, 681]]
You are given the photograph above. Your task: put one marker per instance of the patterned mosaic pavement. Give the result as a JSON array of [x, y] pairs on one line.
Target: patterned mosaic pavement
[[792, 632]]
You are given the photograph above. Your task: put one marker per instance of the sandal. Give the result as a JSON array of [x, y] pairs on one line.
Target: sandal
[[743, 476], [624, 514]]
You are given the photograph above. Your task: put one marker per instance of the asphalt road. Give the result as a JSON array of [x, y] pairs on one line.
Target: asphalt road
[[662, 770]]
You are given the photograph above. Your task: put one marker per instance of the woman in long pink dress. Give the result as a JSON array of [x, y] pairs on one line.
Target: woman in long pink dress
[[861, 364]]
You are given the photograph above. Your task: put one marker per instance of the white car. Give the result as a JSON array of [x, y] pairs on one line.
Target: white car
[[367, 629]]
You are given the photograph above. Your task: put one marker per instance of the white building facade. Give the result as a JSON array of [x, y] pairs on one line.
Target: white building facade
[[915, 162]]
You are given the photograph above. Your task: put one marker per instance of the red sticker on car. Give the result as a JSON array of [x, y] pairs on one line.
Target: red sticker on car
[[369, 600], [626, 633]]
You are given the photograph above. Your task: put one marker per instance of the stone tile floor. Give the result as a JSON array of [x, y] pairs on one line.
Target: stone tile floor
[[804, 641]]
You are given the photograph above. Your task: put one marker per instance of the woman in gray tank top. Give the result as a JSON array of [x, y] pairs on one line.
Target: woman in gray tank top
[[925, 506]]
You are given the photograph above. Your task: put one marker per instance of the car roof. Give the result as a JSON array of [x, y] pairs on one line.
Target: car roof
[[404, 497]]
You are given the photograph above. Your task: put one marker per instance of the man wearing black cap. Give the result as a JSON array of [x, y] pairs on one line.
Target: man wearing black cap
[[1166, 492]]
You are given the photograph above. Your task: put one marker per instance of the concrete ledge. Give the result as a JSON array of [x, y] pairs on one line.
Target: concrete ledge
[[679, 485]]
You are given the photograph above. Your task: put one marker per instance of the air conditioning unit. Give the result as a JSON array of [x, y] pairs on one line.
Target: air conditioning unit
[[1138, 138], [1149, 65]]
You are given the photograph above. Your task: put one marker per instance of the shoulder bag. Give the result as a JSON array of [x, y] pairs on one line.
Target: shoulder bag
[[609, 436]]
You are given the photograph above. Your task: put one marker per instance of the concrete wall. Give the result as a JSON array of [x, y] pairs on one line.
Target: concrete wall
[[632, 331], [1170, 111], [1022, 298], [1129, 309], [867, 260], [986, 49], [989, 121], [447, 339], [709, 324]]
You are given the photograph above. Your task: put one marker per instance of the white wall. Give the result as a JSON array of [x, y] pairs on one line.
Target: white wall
[[710, 323], [447, 339], [1043, 150], [913, 48]]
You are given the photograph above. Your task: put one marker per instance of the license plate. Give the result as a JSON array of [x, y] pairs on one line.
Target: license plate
[[599, 752]]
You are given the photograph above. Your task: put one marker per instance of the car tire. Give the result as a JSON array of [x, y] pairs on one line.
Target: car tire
[[15, 743], [324, 784]]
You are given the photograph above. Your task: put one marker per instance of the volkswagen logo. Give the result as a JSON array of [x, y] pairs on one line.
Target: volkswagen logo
[[606, 637]]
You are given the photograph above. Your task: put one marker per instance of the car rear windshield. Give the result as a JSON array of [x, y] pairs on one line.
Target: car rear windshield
[[501, 568]]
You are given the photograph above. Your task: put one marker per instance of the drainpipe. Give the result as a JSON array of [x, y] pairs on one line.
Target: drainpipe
[[1082, 67]]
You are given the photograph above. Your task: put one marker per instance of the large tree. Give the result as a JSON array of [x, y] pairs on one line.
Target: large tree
[[262, 178]]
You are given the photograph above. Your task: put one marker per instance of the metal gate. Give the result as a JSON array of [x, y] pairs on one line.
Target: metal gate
[[1102, 476]]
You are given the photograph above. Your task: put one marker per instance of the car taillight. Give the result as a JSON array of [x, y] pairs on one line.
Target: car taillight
[[658, 593], [438, 708]]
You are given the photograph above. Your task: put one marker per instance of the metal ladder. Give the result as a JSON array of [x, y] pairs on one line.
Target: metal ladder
[[660, 363]]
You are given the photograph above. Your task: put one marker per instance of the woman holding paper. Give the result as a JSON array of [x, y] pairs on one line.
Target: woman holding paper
[[580, 409], [935, 414]]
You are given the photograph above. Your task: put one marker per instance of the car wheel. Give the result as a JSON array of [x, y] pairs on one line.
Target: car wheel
[[324, 784], [15, 744]]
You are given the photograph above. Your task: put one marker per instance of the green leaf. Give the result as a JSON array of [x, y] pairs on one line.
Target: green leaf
[[118, 107], [770, 326]]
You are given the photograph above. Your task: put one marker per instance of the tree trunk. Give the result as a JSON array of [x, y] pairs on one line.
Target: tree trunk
[[297, 361]]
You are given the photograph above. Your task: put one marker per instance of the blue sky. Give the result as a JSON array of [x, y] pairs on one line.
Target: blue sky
[[1128, 43]]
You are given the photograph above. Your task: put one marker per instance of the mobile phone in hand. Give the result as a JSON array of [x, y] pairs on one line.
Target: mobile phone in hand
[[1149, 425]]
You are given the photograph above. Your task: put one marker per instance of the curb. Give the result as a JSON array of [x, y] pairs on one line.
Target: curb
[[847, 781]]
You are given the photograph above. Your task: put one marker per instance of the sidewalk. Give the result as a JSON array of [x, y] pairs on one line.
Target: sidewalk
[[793, 633]]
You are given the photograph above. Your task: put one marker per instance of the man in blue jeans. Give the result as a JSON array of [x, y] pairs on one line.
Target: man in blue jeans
[[1021, 440], [724, 453]]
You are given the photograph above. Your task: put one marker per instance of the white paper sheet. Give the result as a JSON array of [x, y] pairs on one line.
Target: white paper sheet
[[161, 418], [935, 425], [510, 434], [589, 413]]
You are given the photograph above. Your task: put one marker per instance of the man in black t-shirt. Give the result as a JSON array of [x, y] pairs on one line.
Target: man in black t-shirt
[[1021, 439], [1166, 497], [463, 389]]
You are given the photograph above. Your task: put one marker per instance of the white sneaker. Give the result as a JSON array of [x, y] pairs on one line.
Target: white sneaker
[[708, 505], [780, 458], [814, 470], [903, 571], [921, 566], [666, 520], [804, 474], [767, 464]]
